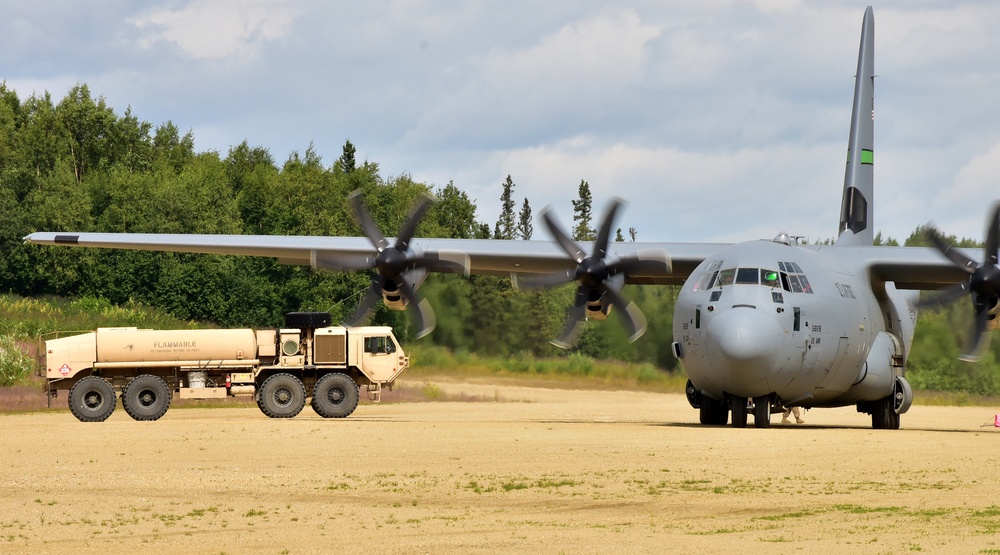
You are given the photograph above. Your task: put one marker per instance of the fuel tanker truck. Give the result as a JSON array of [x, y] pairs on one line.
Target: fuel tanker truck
[[280, 368]]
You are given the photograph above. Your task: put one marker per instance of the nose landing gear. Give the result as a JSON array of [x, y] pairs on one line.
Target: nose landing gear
[[760, 407]]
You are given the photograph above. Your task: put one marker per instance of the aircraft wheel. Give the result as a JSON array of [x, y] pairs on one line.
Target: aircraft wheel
[[712, 412], [92, 399], [762, 412], [147, 397], [335, 396], [281, 396], [884, 416], [739, 411]]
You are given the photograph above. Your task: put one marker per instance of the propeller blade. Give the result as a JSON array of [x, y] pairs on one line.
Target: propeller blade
[[652, 261], [959, 259], [364, 310], [631, 316], [993, 237], [443, 261], [420, 308], [983, 284], [568, 245], [412, 221], [950, 294], [604, 234], [368, 226], [574, 323], [980, 338]]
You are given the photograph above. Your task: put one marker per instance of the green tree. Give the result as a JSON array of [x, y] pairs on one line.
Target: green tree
[[170, 149], [454, 212], [506, 228], [524, 227], [90, 127], [346, 161], [583, 215]]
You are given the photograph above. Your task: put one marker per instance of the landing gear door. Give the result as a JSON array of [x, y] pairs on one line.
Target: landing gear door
[[380, 361]]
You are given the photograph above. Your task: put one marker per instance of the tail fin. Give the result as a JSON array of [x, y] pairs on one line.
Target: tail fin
[[857, 206]]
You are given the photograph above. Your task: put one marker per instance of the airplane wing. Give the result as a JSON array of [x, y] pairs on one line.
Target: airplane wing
[[920, 268], [486, 256]]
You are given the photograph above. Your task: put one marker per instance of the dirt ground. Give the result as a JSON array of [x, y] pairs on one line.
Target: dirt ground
[[528, 470]]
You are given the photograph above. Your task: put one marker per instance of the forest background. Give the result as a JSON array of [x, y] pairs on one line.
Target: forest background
[[76, 165]]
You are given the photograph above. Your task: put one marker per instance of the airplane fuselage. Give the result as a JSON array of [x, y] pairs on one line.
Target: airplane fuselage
[[798, 325]]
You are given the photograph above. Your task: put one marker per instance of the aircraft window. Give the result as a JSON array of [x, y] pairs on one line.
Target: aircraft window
[[777, 297], [769, 278], [707, 278], [747, 276], [716, 295], [805, 285], [704, 282], [793, 280], [726, 277]]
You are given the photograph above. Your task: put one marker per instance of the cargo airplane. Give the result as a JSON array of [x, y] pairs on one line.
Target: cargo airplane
[[758, 326]]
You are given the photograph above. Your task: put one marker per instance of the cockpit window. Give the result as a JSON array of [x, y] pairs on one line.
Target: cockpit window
[[708, 276], [746, 276], [726, 277], [789, 278], [793, 278], [770, 278], [805, 285]]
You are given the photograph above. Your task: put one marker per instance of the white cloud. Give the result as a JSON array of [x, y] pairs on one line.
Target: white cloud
[[206, 29], [706, 115]]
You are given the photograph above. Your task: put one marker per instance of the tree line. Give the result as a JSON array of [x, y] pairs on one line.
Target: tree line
[[76, 165]]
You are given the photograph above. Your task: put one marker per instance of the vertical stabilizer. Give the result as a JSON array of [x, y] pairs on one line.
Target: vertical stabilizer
[[857, 206]]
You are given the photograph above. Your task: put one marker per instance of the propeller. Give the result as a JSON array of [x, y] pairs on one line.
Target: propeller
[[983, 284], [399, 269], [599, 279]]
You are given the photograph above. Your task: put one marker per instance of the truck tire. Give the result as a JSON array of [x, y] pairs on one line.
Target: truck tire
[[92, 399], [335, 396], [307, 320], [281, 396], [147, 397]]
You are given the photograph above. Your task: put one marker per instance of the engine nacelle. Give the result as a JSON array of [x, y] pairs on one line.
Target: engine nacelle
[[393, 300], [598, 311]]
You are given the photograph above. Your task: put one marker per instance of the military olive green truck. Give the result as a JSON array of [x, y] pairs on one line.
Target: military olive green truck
[[276, 366]]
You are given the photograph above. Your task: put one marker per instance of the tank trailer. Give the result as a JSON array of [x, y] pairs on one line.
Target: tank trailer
[[147, 368]]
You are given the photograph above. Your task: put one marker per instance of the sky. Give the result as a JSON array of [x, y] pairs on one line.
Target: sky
[[715, 120]]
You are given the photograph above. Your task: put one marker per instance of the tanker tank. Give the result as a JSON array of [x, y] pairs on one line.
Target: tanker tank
[[135, 345]]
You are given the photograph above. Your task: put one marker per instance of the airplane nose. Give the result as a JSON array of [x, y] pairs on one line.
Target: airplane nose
[[745, 343]]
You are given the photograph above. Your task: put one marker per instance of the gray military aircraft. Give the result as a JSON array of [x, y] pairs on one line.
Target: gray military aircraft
[[758, 326]]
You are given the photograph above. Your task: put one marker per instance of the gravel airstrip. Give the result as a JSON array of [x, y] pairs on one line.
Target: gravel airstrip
[[525, 470]]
